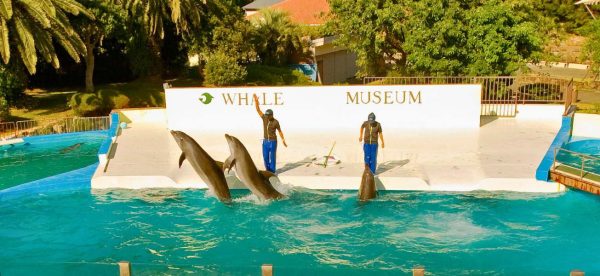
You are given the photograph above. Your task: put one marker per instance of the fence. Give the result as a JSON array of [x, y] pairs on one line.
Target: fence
[[43, 127], [582, 158], [500, 95]]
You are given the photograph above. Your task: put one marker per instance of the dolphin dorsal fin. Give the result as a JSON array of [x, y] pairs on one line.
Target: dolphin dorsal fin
[[267, 174], [181, 158]]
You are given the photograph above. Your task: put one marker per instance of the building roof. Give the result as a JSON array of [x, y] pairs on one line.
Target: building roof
[[305, 12], [261, 4]]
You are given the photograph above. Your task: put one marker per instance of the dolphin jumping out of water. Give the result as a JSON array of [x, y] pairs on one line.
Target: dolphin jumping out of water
[[367, 189], [209, 170], [257, 182]]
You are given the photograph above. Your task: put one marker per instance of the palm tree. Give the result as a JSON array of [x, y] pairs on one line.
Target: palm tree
[[33, 26], [278, 39], [185, 14]]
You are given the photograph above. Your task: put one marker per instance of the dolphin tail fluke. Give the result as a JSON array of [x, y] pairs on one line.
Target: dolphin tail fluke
[[229, 163], [181, 158]]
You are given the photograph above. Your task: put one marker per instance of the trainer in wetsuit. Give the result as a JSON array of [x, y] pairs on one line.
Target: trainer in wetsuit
[[372, 131], [269, 145]]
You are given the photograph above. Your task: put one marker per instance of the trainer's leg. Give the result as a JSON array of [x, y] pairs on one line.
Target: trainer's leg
[[366, 153], [265, 151], [374, 158], [272, 156]]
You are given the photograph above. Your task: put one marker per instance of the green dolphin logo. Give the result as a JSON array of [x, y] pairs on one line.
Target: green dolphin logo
[[206, 98]]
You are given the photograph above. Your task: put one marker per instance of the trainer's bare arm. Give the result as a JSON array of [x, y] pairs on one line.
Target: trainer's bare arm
[[260, 113], [362, 130], [382, 142], [282, 138]]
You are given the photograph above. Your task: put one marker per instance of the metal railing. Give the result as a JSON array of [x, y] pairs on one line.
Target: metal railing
[[583, 157], [500, 95], [20, 129], [570, 96], [7, 130]]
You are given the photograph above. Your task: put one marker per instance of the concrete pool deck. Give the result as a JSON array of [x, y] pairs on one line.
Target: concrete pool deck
[[501, 155]]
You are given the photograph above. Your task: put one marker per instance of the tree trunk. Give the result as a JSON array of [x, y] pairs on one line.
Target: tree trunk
[[89, 67]]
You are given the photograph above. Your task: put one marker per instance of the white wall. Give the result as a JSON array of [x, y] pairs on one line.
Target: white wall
[[326, 108]]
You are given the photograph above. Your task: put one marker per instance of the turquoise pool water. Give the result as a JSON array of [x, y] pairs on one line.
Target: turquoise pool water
[[587, 146], [175, 232], [48, 155]]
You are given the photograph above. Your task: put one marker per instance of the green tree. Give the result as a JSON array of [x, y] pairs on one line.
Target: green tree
[[222, 69], [277, 39], [108, 21], [498, 41], [225, 30], [34, 26], [447, 37], [592, 46], [373, 29], [153, 18]]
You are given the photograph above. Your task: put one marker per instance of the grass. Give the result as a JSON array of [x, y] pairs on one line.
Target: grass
[[44, 104], [589, 101]]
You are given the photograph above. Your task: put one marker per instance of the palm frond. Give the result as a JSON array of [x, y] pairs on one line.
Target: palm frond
[[6, 9], [4, 42]]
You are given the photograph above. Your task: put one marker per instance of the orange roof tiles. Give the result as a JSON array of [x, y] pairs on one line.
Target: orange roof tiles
[[307, 12]]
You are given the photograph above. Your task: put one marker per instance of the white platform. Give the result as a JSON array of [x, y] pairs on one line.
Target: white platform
[[501, 155], [11, 142]]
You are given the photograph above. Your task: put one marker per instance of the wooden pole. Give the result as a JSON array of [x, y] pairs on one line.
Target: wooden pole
[[124, 268], [418, 271], [267, 270]]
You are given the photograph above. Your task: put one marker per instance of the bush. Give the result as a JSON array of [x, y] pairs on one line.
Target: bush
[[119, 101], [222, 70], [4, 111], [88, 104], [271, 75], [12, 84]]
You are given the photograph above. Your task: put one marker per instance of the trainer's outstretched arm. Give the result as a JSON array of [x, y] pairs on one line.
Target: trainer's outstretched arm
[[260, 113], [360, 138], [382, 142], [282, 138]]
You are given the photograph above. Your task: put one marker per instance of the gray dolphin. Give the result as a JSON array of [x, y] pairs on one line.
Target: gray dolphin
[[257, 182], [209, 170], [367, 185], [71, 148]]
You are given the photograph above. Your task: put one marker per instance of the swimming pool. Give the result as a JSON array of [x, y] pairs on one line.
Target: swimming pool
[[44, 156], [589, 147], [174, 232]]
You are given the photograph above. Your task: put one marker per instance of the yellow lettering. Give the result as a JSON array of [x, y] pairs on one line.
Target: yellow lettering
[[377, 97], [349, 98], [265, 102], [242, 97], [414, 98], [227, 98], [362, 100], [278, 99], [388, 97]]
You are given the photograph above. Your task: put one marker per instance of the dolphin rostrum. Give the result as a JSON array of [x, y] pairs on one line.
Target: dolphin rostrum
[[367, 185], [257, 182], [209, 170]]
